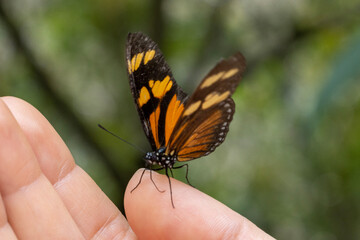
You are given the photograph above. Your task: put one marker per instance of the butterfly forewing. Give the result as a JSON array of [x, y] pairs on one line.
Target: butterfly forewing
[[205, 120], [159, 100]]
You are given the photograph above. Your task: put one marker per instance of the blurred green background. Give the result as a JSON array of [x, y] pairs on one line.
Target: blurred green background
[[291, 161]]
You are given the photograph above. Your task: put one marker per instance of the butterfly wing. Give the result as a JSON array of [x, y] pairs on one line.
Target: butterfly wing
[[159, 100], [205, 120]]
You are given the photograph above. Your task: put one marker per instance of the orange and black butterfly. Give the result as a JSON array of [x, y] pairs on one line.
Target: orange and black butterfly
[[179, 127]]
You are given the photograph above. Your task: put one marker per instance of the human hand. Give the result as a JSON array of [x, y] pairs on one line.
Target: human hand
[[45, 195]]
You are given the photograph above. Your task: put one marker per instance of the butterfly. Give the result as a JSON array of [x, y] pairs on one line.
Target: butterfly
[[179, 127]]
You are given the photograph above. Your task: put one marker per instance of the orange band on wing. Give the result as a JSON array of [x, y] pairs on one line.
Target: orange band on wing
[[203, 137], [173, 113], [154, 123]]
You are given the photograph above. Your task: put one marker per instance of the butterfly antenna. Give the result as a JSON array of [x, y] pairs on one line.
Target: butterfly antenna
[[134, 146]]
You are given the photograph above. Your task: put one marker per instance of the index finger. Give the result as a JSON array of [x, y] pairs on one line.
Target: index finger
[[195, 216]]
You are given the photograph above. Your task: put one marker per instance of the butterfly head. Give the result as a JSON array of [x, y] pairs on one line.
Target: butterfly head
[[160, 158]]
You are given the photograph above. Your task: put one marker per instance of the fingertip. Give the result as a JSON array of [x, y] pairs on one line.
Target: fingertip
[[195, 216], [141, 192], [17, 105], [146, 208], [151, 215]]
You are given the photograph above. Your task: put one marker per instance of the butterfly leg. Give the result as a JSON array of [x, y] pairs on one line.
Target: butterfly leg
[[151, 170], [142, 174], [171, 197], [172, 175], [187, 173]]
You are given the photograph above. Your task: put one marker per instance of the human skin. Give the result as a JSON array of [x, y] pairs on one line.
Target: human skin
[[45, 195]]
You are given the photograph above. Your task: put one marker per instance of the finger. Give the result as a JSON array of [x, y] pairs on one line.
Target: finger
[[93, 212], [195, 216], [6, 232], [29, 199], [53, 156]]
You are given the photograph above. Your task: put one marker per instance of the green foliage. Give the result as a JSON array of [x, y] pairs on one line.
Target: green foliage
[[291, 161]]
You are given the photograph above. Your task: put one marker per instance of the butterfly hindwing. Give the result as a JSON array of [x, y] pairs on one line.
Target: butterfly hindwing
[[205, 120], [159, 100]]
